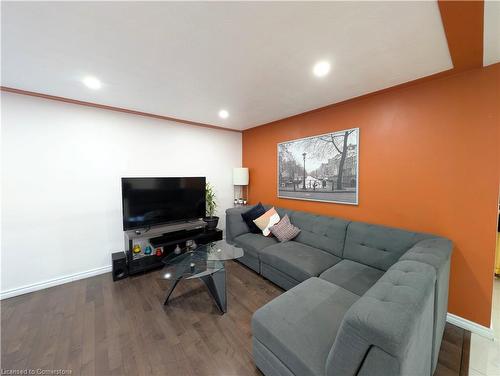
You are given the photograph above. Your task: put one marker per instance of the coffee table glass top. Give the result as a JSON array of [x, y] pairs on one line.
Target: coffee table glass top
[[204, 260]]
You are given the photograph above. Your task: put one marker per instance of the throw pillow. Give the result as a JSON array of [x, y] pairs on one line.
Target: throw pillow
[[252, 214], [266, 220], [284, 230]]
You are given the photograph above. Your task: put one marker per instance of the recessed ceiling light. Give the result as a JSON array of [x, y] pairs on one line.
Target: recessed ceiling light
[[92, 82], [321, 68], [223, 114]]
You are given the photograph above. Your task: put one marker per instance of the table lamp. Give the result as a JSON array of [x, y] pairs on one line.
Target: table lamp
[[240, 180]]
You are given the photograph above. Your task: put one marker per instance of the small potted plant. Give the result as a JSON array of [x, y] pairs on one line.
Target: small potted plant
[[211, 207]]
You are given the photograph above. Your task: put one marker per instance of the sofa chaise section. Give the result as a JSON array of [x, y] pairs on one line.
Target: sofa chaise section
[[319, 328], [293, 334]]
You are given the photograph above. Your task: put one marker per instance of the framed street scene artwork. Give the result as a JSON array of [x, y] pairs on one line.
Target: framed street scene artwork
[[320, 168]]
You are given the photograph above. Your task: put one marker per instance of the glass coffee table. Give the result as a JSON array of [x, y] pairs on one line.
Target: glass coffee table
[[206, 262]]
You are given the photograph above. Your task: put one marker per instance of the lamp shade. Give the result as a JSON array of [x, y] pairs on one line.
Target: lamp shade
[[240, 176]]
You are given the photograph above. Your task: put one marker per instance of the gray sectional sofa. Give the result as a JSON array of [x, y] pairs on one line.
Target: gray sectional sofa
[[362, 299]]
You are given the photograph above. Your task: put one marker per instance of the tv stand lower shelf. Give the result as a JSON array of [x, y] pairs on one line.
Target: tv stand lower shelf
[[169, 242]]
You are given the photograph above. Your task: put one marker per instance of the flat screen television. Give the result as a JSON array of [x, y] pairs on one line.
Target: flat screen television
[[153, 201]]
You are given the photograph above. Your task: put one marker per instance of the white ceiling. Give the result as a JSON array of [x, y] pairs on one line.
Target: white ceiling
[[491, 51], [188, 60]]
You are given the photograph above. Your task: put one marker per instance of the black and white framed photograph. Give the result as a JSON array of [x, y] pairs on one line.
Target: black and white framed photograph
[[320, 168]]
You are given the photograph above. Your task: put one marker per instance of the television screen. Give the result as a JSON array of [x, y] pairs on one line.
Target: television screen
[[153, 201]]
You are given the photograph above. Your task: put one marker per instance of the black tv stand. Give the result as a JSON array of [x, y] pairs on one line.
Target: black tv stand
[[168, 240], [180, 235]]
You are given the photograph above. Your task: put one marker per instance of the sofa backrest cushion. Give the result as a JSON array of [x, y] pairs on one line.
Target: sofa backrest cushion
[[322, 232], [235, 225], [378, 246]]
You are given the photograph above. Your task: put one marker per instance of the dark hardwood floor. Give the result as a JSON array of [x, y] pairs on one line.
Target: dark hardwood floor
[[454, 353], [100, 327]]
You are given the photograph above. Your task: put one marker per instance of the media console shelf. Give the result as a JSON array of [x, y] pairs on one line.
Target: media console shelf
[[167, 237]]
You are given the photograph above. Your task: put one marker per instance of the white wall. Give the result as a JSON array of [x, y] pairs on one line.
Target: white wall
[[61, 170]]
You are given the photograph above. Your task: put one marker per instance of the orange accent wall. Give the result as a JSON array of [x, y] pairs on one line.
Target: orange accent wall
[[429, 161], [463, 23]]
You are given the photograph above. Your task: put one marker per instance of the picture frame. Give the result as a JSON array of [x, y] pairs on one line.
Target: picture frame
[[322, 168]]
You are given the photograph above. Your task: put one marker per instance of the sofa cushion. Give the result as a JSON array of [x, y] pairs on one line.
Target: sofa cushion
[[299, 326], [325, 233], [353, 276], [297, 260], [235, 224], [378, 246], [253, 243]]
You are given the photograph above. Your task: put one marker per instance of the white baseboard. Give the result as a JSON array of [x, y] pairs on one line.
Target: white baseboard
[[473, 327], [53, 282]]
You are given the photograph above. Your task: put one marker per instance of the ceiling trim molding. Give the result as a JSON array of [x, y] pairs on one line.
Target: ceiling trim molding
[[112, 108], [463, 23]]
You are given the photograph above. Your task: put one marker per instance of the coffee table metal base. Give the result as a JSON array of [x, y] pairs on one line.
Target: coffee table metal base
[[216, 285]]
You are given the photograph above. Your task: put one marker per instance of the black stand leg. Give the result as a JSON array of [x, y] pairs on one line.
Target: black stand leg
[[171, 291], [216, 284]]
